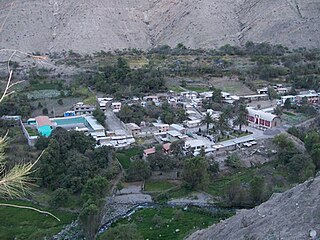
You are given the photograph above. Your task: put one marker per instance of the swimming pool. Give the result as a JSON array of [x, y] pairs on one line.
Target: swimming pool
[[69, 121]]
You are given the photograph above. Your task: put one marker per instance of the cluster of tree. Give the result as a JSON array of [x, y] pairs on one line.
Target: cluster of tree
[[136, 113], [290, 166], [304, 107], [222, 125], [120, 80], [70, 160], [297, 164], [17, 104], [99, 115], [71, 164]]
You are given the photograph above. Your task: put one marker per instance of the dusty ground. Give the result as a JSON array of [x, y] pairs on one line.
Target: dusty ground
[[231, 85], [53, 107]]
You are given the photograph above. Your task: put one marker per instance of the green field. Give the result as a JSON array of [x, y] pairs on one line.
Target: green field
[[125, 155], [198, 88], [170, 223], [27, 224], [158, 186], [31, 131]]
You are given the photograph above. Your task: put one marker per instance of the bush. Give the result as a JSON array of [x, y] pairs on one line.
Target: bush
[[59, 198], [233, 161]]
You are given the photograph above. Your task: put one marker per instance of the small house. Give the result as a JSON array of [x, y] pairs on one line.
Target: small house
[[149, 151], [166, 147], [133, 128], [161, 127], [44, 125]]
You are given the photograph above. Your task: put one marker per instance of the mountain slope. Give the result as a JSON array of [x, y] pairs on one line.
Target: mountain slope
[[88, 26], [289, 215]]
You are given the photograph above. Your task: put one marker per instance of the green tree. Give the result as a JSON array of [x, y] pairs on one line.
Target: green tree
[[139, 170], [81, 142], [315, 154], [300, 167], [60, 101], [278, 110], [95, 189], [121, 232], [272, 93], [59, 198], [233, 161], [177, 148], [257, 188], [42, 143], [45, 111], [99, 115], [241, 119], [160, 161], [195, 172], [90, 219], [287, 104], [312, 138], [207, 120], [125, 114], [216, 95], [222, 124]]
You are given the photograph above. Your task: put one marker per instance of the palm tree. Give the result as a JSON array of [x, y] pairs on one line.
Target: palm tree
[[223, 123], [207, 121], [242, 117]]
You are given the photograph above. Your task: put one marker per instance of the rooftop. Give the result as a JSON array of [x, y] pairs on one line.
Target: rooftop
[[43, 121], [149, 151], [133, 126], [177, 127], [94, 124], [166, 146], [264, 115]]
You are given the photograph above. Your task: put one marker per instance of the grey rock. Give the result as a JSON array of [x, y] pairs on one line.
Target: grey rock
[[89, 26], [289, 215]]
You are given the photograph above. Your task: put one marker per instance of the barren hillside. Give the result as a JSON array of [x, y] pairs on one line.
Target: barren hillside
[[289, 215], [87, 26]]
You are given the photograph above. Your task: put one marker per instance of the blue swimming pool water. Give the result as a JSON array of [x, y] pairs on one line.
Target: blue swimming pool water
[[68, 121]]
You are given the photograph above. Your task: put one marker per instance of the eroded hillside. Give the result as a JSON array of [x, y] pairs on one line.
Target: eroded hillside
[[88, 26], [289, 215]]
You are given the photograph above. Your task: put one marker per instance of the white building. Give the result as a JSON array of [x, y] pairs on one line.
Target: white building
[[116, 106], [194, 145], [83, 109], [161, 127]]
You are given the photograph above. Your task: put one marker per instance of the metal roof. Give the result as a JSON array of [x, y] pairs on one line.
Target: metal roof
[[94, 123]]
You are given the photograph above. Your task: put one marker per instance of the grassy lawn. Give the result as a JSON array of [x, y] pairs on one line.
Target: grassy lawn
[[27, 224], [177, 89], [289, 113], [293, 118], [218, 186], [31, 131], [43, 86], [158, 186], [171, 223], [125, 155], [242, 134], [43, 196]]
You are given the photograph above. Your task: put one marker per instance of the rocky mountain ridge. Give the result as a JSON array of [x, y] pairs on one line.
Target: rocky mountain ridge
[[89, 26], [289, 215]]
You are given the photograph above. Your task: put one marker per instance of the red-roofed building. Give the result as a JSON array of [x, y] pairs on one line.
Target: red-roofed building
[[149, 151], [43, 121], [44, 125], [166, 147]]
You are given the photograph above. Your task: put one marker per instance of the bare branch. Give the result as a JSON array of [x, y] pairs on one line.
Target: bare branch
[[30, 208]]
